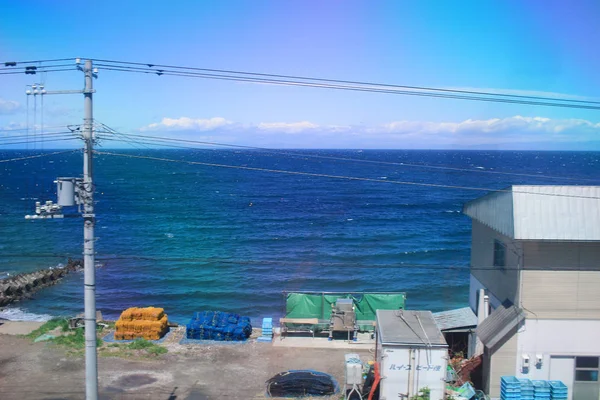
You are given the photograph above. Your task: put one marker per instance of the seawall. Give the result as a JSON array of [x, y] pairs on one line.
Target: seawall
[[24, 285]]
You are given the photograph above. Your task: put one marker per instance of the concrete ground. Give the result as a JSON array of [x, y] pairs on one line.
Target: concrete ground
[[223, 371], [364, 342], [18, 327]]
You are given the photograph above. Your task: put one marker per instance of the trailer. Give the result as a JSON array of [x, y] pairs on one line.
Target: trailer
[[412, 354]]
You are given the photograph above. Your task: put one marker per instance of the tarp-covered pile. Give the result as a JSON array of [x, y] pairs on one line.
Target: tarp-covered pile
[[149, 323], [301, 383], [217, 325]]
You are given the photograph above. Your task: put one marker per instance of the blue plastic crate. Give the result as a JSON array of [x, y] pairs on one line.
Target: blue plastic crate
[[541, 387], [267, 323], [558, 387], [525, 383], [510, 381], [509, 389]]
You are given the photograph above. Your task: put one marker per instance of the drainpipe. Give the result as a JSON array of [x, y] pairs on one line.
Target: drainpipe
[[481, 315], [486, 306]]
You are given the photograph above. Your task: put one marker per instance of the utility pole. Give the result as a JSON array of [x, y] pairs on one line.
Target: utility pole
[[80, 191], [89, 220]]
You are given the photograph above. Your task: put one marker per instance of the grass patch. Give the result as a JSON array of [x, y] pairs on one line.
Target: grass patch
[[151, 348], [54, 323], [139, 348], [140, 344], [75, 340]]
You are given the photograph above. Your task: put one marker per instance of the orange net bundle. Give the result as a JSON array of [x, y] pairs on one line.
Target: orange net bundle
[[150, 323]]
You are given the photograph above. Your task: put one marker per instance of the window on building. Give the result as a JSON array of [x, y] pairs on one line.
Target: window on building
[[586, 369], [499, 254]]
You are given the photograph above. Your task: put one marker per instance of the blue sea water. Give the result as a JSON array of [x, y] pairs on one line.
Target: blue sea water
[[191, 237]]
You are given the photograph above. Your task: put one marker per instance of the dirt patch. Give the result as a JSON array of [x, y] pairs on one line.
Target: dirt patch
[[217, 371]]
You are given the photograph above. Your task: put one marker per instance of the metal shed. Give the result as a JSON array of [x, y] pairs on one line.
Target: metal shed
[[412, 353]]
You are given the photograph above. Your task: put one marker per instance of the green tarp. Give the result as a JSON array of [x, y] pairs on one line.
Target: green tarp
[[314, 305]]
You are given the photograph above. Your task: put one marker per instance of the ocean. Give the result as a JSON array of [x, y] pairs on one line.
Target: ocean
[[192, 237]]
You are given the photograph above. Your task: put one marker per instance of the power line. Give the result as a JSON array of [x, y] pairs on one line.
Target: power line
[[25, 129], [155, 140], [34, 72], [37, 156], [275, 78], [352, 178], [151, 65], [461, 266], [36, 141], [36, 68], [6, 63], [41, 135], [356, 88]]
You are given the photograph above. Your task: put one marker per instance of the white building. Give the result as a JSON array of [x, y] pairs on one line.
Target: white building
[[536, 253]]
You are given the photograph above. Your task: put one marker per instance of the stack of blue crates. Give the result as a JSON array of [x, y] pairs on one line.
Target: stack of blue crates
[[526, 389], [541, 390], [558, 390], [510, 388], [267, 330]]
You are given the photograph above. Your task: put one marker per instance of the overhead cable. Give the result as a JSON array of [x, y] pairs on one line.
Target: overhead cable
[[351, 178], [151, 66], [358, 88], [156, 140], [37, 156]]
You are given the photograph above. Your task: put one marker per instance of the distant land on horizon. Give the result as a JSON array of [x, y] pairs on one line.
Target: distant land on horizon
[[539, 146]]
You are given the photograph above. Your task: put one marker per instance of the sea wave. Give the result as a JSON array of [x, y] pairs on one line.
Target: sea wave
[[16, 314]]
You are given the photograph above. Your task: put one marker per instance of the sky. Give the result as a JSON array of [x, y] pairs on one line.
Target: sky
[[534, 47]]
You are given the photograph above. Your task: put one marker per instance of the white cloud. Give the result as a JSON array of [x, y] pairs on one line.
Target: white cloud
[[187, 124], [495, 125], [395, 134], [287, 127], [9, 107]]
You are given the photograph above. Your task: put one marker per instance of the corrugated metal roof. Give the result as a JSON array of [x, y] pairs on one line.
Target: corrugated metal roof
[[402, 327], [455, 319], [499, 324], [541, 212]]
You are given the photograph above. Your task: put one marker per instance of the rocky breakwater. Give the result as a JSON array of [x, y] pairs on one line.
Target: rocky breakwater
[[23, 286]]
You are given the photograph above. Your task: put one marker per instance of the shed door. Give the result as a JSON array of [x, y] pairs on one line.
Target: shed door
[[563, 369], [395, 370]]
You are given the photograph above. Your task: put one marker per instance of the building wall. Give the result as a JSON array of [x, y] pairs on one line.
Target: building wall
[[561, 255], [567, 295], [555, 338], [502, 283], [547, 339], [503, 359], [474, 286]]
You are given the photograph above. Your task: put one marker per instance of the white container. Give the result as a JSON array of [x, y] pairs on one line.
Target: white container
[[353, 369], [412, 354]]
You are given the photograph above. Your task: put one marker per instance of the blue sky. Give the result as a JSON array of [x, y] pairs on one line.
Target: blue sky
[[522, 47]]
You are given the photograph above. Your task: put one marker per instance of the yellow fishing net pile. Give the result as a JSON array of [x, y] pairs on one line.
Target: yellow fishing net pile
[[149, 323]]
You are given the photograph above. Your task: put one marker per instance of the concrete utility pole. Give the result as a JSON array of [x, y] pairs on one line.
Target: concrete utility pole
[[89, 220], [80, 191]]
